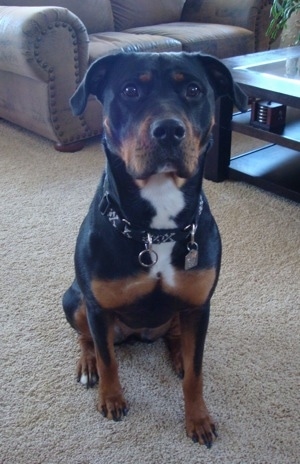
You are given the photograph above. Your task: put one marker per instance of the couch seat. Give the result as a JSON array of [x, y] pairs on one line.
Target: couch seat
[[216, 39], [107, 42]]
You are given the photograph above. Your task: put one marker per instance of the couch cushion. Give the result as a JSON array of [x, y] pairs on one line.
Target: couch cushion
[[96, 15], [133, 13], [215, 39], [110, 42]]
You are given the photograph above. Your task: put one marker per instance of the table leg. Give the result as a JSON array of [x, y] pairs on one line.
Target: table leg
[[218, 157]]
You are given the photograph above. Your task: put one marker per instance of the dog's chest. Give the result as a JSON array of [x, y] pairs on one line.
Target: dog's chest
[[168, 201]]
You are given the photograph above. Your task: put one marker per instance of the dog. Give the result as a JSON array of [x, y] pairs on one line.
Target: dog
[[148, 253]]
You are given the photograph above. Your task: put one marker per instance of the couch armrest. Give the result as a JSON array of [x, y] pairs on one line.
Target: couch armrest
[[44, 55], [249, 14], [35, 41]]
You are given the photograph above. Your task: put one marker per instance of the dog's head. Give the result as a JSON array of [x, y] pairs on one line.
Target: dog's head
[[158, 108]]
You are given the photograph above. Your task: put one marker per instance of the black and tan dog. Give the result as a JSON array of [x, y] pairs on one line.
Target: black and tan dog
[[148, 252]]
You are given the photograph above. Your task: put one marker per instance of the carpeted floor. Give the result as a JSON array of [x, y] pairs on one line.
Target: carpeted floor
[[252, 350]]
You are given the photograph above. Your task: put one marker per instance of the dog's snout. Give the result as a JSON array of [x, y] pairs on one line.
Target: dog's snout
[[168, 131]]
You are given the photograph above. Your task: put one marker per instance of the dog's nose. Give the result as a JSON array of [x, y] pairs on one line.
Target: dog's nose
[[168, 131]]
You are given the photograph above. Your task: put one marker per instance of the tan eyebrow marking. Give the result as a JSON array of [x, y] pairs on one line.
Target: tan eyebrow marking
[[178, 77], [145, 77]]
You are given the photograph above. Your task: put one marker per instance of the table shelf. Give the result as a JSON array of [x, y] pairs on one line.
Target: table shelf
[[289, 138], [274, 168]]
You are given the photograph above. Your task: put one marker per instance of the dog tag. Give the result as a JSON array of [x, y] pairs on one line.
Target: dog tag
[[191, 259]]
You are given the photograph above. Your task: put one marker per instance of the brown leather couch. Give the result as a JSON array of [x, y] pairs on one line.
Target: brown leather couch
[[45, 50]]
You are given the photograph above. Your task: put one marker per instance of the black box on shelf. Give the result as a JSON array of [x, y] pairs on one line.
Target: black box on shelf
[[268, 115]]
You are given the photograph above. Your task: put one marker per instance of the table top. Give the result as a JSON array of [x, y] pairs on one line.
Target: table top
[[264, 75]]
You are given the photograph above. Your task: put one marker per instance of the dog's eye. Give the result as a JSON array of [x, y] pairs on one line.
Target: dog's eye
[[193, 90], [131, 91]]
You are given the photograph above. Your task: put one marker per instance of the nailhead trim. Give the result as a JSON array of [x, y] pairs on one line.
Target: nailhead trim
[[51, 79]]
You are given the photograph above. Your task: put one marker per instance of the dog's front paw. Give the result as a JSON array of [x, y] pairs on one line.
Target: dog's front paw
[[87, 373], [201, 428], [113, 407]]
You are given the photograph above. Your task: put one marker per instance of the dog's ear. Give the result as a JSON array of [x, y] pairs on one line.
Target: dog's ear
[[222, 81], [92, 82]]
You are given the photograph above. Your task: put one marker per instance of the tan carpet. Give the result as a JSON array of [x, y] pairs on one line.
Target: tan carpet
[[252, 351]]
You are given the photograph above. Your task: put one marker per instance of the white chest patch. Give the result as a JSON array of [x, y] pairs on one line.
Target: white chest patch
[[167, 201]]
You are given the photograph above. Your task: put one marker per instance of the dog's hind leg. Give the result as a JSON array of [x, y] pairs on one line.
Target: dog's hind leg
[[75, 311], [173, 341], [72, 301]]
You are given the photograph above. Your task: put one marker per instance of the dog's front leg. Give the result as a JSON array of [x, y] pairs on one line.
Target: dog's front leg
[[199, 425], [111, 402]]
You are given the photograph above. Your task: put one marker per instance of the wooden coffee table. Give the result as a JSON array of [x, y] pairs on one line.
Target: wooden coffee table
[[275, 167]]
